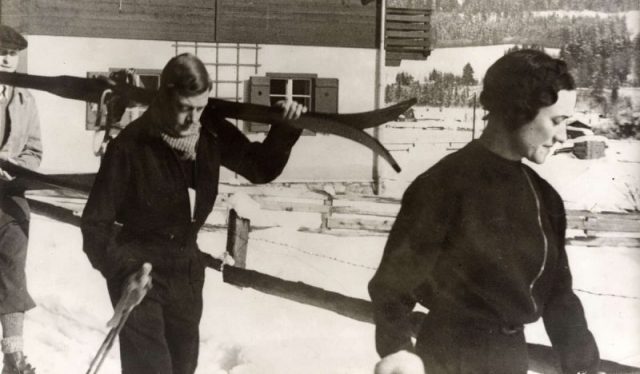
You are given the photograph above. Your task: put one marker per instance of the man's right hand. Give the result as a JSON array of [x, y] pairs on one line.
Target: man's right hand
[[134, 290]]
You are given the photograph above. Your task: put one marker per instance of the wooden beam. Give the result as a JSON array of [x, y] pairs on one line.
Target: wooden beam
[[408, 26], [407, 43], [407, 55], [238, 238], [423, 34], [418, 18]]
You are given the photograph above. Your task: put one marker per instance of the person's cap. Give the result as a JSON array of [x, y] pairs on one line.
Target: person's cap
[[11, 39]]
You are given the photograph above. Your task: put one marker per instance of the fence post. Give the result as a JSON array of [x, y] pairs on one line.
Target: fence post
[[238, 238], [328, 201]]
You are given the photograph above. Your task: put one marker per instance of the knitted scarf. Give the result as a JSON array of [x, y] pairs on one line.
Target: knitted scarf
[[185, 146]]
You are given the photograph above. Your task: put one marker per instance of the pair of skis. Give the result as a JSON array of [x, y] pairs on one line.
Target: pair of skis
[[350, 126]]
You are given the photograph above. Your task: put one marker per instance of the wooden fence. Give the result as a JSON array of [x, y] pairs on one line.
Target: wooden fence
[[377, 214]]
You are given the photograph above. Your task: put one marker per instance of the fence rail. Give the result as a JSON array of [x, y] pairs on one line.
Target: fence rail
[[370, 213], [377, 214]]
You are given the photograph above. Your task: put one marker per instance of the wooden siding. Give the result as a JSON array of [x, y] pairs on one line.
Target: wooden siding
[[341, 23], [332, 23], [407, 35], [338, 23], [192, 20]]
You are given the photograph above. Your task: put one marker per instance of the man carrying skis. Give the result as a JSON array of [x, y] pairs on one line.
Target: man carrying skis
[[20, 144], [159, 180]]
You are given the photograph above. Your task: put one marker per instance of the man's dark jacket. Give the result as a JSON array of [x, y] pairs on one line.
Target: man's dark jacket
[[141, 185]]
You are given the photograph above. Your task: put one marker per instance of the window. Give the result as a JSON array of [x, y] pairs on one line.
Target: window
[[318, 94], [298, 89]]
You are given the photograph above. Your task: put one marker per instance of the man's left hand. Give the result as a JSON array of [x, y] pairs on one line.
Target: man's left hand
[[291, 110]]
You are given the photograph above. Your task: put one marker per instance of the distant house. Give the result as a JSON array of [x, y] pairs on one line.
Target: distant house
[[577, 129], [325, 53]]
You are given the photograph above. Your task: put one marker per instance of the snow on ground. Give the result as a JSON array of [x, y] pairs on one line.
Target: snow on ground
[[242, 331]]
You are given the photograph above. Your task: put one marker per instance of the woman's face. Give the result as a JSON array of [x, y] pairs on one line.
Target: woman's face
[[535, 139]]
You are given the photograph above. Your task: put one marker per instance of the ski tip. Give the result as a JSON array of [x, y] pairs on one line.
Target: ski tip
[[396, 167], [407, 103]]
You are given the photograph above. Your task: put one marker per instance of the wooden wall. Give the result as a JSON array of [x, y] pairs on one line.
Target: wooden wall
[[343, 23], [192, 20], [340, 23]]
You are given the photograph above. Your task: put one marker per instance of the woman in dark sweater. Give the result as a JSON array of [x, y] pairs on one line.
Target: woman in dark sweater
[[480, 239]]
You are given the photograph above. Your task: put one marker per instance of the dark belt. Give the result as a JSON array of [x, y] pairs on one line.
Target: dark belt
[[478, 323], [163, 237]]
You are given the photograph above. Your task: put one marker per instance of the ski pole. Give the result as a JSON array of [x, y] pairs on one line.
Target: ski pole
[[97, 361], [136, 288]]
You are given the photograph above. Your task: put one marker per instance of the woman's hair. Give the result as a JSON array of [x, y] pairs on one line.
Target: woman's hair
[[520, 83], [184, 75]]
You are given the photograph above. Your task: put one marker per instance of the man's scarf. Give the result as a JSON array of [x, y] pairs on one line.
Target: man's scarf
[[185, 146]]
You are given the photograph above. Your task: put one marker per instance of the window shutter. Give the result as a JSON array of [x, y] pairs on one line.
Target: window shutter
[[326, 95], [259, 89]]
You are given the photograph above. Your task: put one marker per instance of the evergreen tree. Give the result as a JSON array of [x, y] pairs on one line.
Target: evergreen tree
[[467, 75]]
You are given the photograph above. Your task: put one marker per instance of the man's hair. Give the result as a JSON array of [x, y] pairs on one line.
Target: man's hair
[[184, 75], [520, 83]]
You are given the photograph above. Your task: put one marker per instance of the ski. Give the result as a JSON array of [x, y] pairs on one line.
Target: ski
[[348, 126], [28, 179]]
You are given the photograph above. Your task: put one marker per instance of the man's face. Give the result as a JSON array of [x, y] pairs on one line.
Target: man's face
[[8, 60], [535, 139], [181, 113]]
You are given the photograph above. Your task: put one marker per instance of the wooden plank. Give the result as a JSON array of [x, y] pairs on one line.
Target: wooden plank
[[360, 224], [192, 20], [407, 26], [52, 211], [408, 18], [365, 211], [238, 238], [599, 222], [604, 241], [289, 206], [407, 43], [407, 34], [340, 23], [421, 55], [583, 213], [357, 309], [420, 4]]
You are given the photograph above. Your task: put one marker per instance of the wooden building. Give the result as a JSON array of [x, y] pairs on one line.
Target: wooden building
[[326, 53]]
